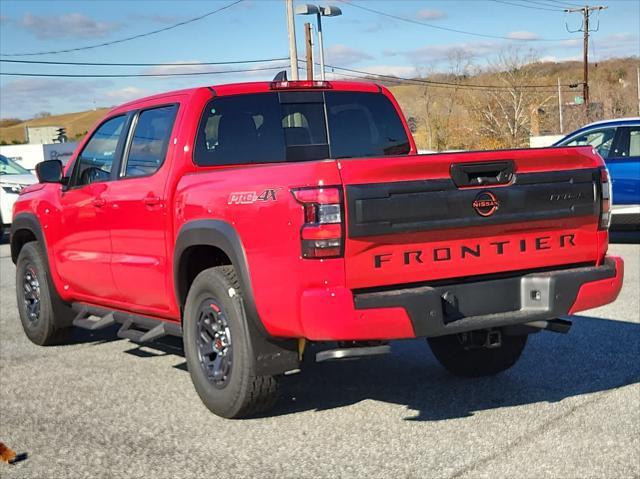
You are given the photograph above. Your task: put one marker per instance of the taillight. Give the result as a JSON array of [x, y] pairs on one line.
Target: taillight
[[322, 231], [605, 200]]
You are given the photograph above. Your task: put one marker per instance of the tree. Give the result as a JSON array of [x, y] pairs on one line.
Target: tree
[[504, 114]]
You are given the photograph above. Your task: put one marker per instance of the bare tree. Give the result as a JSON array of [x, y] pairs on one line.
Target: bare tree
[[504, 114]]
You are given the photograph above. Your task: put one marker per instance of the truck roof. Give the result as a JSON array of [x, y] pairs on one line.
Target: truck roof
[[258, 87]]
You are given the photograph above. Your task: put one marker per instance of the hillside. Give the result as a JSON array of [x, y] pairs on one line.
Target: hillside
[[77, 124], [459, 117]]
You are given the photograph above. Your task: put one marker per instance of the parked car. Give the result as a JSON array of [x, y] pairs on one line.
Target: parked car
[[252, 218], [13, 178], [618, 142]]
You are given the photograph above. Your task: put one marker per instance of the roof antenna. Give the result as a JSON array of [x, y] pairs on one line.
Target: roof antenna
[[281, 76]]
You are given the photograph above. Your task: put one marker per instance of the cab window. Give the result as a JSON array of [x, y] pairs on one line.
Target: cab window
[[149, 142], [98, 156]]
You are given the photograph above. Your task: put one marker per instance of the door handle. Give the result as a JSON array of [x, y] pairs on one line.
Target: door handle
[[152, 200], [99, 202]]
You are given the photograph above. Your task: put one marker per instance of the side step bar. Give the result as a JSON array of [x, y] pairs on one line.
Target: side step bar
[[136, 328], [353, 352]]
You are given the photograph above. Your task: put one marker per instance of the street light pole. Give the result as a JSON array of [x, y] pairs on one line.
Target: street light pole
[[320, 11], [320, 45]]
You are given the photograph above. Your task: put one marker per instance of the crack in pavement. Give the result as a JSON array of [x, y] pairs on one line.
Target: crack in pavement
[[538, 431]]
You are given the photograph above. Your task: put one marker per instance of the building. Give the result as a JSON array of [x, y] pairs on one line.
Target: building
[[31, 154]]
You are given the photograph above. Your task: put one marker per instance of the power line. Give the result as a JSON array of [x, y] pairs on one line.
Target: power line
[[532, 7], [186, 64], [135, 75], [133, 37], [439, 27], [419, 82], [443, 83], [564, 3], [549, 4]]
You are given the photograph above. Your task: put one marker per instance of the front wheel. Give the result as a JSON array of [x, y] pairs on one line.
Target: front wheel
[[218, 350], [477, 353], [44, 317]]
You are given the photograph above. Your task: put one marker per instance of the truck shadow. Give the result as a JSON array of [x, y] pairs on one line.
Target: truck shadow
[[597, 355]]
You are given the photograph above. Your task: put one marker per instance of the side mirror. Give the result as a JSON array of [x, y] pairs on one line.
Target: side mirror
[[49, 171]]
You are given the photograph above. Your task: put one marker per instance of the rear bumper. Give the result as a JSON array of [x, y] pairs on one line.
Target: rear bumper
[[427, 311]]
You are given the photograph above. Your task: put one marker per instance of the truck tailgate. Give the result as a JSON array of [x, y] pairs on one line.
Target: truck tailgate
[[427, 218]]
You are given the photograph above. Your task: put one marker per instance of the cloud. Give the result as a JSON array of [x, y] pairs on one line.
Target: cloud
[[559, 59], [343, 55], [255, 69], [623, 44], [428, 14], [24, 97], [523, 35], [4, 19], [124, 94], [183, 66], [573, 42], [392, 70], [70, 25], [438, 53]]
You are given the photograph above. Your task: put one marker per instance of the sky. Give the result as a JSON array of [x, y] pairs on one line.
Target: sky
[[360, 39]]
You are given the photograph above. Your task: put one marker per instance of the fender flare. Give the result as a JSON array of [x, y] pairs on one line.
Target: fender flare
[[273, 356], [222, 235], [29, 222]]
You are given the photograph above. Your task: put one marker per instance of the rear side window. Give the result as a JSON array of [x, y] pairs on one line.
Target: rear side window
[[241, 129], [149, 142], [96, 159], [628, 144], [634, 142], [298, 126]]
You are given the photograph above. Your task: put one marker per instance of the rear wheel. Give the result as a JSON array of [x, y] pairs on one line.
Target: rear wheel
[[477, 353], [45, 318], [218, 348]]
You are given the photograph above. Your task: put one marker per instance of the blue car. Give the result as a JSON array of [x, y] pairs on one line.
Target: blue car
[[618, 142]]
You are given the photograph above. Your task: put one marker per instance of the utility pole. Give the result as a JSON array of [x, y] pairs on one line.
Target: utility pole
[[638, 78], [560, 107], [308, 41], [586, 13], [293, 50]]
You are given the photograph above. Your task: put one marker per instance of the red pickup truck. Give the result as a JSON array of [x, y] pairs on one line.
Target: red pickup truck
[[251, 218]]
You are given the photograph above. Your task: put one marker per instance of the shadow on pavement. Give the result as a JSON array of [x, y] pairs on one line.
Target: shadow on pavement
[[597, 355], [81, 336]]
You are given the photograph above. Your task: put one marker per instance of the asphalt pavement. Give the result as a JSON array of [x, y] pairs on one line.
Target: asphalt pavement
[[105, 407]]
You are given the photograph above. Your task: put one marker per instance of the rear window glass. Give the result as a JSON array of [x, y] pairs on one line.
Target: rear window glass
[[364, 124], [266, 127]]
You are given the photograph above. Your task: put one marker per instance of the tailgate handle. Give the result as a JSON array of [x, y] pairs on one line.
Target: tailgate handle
[[481, 174]]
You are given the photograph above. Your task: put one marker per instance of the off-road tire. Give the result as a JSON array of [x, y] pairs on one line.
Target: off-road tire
[[245, 393], [55, 317], [475, 362]]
